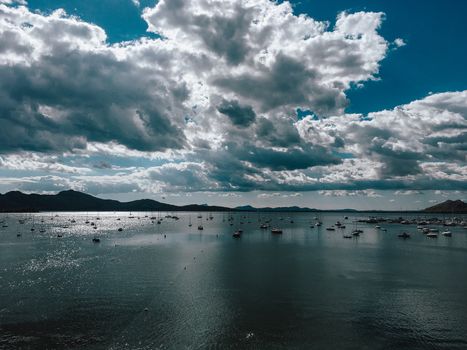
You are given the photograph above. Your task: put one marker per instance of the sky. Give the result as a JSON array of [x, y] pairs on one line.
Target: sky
[[326, 104]]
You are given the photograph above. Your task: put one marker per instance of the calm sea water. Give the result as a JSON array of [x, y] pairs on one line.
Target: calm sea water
[[170, 286]]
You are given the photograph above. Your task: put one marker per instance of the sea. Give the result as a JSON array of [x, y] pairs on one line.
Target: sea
[[168, 285]]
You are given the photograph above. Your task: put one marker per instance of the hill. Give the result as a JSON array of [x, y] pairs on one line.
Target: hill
[[448, 206], [70, 200]]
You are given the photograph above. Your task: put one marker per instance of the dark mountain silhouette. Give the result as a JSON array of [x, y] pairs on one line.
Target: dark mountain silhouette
[[448, 206], [278, 209], [16, 201], [294, 209], [70, 200]]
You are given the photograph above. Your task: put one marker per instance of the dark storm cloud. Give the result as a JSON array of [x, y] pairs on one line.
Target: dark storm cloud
[[278, 132], [89, 97], [287, 82], [242, 116], [185, 176], [292, 159]]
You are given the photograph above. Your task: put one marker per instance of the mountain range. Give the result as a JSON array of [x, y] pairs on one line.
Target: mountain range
[[71, 200]]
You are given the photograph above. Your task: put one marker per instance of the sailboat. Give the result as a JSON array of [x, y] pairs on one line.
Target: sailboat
[[356, 232], [200, 225], [189, 221]]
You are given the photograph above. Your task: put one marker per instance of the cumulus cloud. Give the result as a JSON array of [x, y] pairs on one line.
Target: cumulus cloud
[[343, 193], [407, 192], [399, 42], [58, 92], [421, 141], [33, 162], [211, 104]]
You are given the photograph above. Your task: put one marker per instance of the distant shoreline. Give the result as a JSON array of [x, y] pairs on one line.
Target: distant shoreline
[[234, 210], [74, 201]]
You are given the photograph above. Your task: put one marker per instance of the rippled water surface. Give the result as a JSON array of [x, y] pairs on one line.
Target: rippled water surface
[[170, 286]]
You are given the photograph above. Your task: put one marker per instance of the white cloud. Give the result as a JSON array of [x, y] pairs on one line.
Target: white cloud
[[407, 192], [343, 193], [399, 42], [214, 102]]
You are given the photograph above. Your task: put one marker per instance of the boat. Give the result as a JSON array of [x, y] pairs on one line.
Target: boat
[[263, 226], [432, 235], [200, 227], [447, 233], [403, 235], [96, 240], [237, 234], [276, 231], [120, 229], [319, 223], [330, 229], [347, 236]]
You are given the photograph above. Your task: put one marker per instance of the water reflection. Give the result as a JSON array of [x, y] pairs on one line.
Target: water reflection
[[171, 286]]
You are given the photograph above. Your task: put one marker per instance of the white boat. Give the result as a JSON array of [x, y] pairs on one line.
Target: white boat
[[447, 233], [276, 231]]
